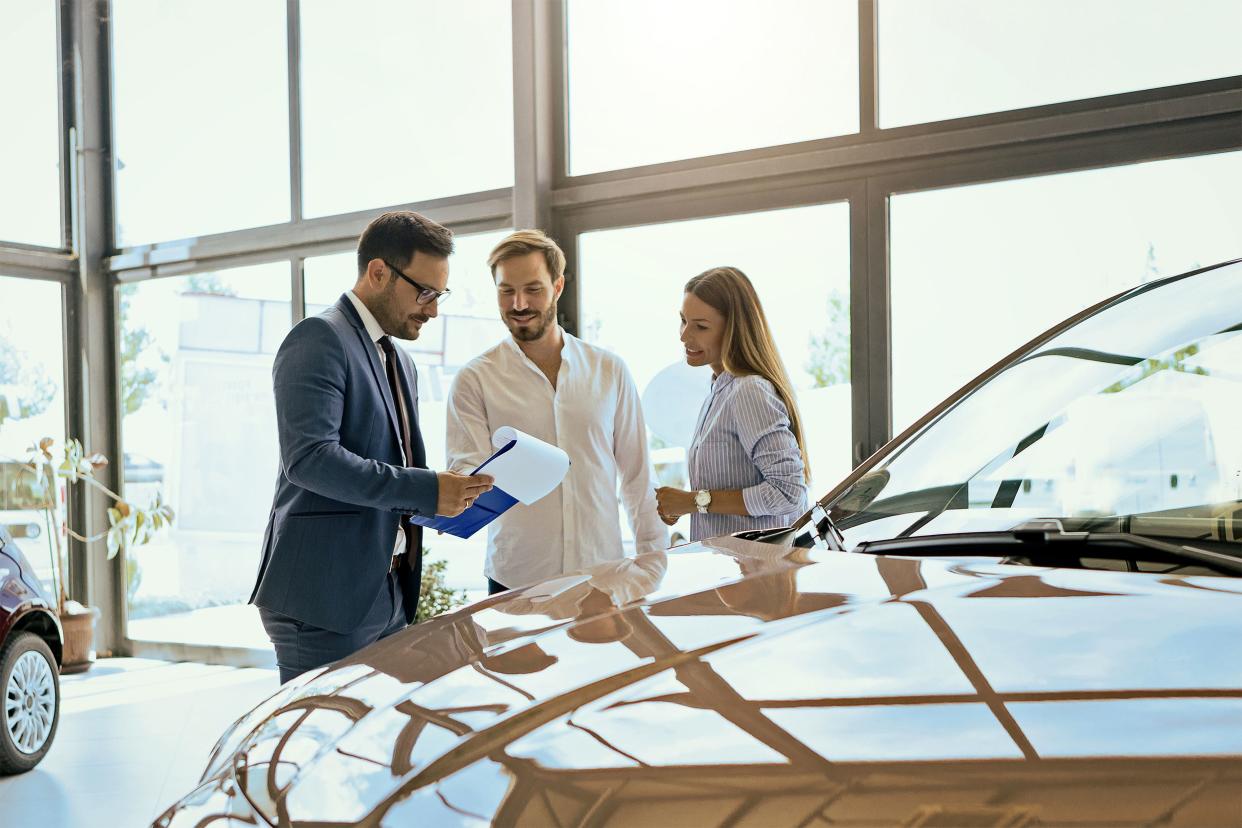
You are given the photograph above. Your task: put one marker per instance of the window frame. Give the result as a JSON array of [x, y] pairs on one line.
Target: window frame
[[864, 168]]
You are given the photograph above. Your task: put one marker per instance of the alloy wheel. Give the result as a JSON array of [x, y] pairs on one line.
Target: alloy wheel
[[30, 702]]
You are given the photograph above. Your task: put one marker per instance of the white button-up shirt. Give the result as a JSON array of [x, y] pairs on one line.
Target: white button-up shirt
[[376, 332], [594, 414]]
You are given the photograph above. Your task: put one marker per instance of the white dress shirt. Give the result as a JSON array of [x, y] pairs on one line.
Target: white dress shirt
[[376, 332], [594, 414]]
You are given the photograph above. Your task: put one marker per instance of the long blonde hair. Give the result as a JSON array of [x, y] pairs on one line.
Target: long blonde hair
[[747, 348]]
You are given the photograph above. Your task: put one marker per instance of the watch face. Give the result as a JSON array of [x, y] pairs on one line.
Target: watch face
[[702, 498]]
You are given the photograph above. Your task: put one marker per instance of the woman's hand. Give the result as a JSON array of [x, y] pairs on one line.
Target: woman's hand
[[673, 503]]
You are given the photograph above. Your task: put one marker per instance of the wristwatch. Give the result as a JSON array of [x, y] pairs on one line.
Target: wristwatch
[[702, 499]]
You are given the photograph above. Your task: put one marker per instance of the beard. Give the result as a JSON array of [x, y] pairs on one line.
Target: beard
[[535, 328], [393, 322]]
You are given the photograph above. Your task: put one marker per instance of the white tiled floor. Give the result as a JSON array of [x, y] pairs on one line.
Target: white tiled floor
[[134, 736]]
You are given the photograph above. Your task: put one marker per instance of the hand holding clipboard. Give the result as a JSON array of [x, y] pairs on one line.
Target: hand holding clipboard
[[524, 469]]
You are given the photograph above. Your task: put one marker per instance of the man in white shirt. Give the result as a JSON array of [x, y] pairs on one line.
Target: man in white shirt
[[551, 385]]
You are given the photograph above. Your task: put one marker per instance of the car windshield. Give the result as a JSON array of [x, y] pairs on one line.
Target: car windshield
[[1127, 421]]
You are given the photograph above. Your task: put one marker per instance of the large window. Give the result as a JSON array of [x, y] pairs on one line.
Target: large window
[[29, 137], [201, 119], [953, 58], [32, 404], [199, 424], [798, 260], [468, 324], [404, 100], [979, 270], [653, 81]]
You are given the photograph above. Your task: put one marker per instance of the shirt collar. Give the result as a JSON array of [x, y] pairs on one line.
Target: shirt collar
[[368, 319], [569, 347]]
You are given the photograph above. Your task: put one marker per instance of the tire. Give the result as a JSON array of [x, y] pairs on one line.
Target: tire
[[29, 702]]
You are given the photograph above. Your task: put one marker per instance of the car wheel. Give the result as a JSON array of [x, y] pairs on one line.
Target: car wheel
[[30, 705]]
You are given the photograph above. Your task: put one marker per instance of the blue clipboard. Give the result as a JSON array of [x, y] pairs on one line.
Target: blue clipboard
[[489, 506]]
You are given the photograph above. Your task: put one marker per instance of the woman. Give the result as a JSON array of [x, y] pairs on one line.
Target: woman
[[747, 461]]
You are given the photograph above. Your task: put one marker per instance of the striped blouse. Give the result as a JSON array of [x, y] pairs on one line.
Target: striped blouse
[[743, 440]]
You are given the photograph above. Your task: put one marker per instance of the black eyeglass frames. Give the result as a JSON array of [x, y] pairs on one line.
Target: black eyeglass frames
[[426, 295]]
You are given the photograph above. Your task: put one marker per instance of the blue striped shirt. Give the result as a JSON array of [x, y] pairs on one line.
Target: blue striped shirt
[[744, 441]]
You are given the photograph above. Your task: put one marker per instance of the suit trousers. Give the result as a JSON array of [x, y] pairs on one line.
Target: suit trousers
[[301, 647]]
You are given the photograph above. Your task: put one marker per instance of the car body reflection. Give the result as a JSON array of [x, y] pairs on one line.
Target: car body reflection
[[794, 683], [1024, 610]]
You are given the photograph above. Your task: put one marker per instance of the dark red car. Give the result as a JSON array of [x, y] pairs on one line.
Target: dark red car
[[30, 654]]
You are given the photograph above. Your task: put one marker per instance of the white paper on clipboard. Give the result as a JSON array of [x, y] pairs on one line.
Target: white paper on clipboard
[[524, 467]]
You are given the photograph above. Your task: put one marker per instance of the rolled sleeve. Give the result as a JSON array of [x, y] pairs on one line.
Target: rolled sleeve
[[764, 430]]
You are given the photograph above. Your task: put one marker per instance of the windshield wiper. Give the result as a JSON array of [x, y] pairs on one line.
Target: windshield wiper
[[821, 526], [1046, 538], [826, 529]]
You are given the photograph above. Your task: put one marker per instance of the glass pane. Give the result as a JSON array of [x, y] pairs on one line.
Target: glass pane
[[964, 57], [977, 271], [191, 347], [194, 155], [30, 155], [467, 325], [799, 261], [404, 100], [653, 81], [32, 405]]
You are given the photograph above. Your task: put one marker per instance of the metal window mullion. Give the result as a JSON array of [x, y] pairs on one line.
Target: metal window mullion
[[477, 210], [64, 38], [91, 317], [859, 321], [293, 23], [53, 265], [879, 424], [537, 85], [868, 67], [297, 274]]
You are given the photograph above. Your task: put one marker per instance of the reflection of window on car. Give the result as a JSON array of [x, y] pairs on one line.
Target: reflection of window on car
[[1112, 424]]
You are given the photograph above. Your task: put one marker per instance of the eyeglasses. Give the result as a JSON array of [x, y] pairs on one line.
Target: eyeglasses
[[426, 295]]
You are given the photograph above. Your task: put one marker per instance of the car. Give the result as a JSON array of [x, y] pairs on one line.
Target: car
[[975, 627], [31, 648]]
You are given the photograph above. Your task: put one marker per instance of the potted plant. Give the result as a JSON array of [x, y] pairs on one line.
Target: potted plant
[[128, 526], [436, 597]]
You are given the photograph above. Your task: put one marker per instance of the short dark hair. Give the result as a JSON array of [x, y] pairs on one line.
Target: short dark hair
[[396, 236]]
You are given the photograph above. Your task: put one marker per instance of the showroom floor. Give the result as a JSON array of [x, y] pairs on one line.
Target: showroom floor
[[133, 738]]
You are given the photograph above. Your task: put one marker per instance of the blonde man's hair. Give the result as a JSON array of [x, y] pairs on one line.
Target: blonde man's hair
[[529, 241]]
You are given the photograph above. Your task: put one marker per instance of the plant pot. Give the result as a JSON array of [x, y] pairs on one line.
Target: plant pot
[[79, 629]]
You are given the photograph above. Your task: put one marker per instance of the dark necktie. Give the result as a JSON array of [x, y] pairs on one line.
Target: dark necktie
[[403, 417], [394, 385]]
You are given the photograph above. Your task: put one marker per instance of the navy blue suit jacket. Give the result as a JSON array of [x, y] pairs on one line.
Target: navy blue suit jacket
[[343, 483]]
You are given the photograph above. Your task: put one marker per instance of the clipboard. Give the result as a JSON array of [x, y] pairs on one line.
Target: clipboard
[[525, 469]]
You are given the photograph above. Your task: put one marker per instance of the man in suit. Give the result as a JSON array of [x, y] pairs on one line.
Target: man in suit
[[341, 563]]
